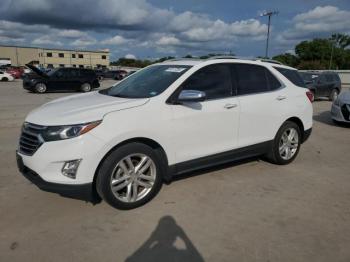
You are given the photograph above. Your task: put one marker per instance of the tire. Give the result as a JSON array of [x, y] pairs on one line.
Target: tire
[[86, 87], [4, 79], [334, 95], [40, 88], [112, 166], [281, 158]]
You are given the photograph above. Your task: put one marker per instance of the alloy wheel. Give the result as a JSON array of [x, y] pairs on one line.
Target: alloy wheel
[[133, 178], [289, 143]]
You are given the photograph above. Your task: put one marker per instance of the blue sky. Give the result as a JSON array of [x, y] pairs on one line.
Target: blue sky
[[156, 28]]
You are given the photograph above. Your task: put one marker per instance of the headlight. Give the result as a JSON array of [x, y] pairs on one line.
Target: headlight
[[53, 133]]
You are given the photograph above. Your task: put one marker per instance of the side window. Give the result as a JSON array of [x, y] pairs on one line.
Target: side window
[[251, 79], [291, 75], [214, 80], [274, 84], [322, 79], [329, 77], [73, 73]]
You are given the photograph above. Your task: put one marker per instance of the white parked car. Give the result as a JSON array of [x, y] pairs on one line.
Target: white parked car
[[6, 77], [164, 120]]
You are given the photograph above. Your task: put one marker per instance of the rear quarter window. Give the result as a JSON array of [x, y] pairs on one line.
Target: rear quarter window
[[291, 75]]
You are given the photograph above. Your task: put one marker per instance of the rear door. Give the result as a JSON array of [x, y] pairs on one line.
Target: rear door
[[322, 85], [57, 80], [208, 127], [262, 102]]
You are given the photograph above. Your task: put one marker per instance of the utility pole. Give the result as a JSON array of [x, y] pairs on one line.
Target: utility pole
[[269, 14], [330, 61]]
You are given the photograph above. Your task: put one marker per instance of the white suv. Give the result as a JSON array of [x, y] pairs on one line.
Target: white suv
[[121, 143]]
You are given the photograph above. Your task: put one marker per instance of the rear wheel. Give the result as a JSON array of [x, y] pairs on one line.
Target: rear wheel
[[334, 95], [286, 144], [86, 87], [130, 176], [40, 88], [4, 79]]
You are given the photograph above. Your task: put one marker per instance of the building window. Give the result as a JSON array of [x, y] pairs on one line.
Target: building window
[[61, 65], [74, 65], [73, 55], [49, 54], [49, 65], [81, 66], [104, 57], [81, 56], [60, 55]]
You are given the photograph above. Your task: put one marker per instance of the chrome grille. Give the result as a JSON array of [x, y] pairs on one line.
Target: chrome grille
[[30, 139]]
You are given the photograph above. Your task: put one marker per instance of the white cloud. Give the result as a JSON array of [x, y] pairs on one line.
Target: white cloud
[[168, 40], [116, 40], [321, 21], [82, 42], [71, 33], [46, 40], [130, 56]]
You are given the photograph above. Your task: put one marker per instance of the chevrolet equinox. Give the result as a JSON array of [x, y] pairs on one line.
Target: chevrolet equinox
[[123, 142]]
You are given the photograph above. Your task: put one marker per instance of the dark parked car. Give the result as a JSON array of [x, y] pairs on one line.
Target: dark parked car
[[60, 79], [322, 84], [114, 74]]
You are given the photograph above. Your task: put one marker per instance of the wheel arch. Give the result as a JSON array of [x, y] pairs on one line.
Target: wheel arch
[[143, 140], [300, 124]]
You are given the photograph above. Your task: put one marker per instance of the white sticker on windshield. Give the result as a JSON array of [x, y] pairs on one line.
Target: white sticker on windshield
[[175, 69]]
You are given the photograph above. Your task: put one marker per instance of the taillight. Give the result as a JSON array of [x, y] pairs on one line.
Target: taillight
[[310, 95]]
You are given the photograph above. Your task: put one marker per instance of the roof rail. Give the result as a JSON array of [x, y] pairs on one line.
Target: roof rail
[[222, 57], [269, 61]]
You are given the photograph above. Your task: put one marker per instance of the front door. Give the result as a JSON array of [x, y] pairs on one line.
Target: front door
[[206, 128]]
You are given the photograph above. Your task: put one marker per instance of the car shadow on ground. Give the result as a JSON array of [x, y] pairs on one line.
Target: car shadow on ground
[[163, 245], [326, 118]]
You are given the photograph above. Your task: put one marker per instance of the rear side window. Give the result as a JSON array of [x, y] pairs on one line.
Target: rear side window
[[87, 73], [214, 80], [253, 79], [291, 75], [329, 77]]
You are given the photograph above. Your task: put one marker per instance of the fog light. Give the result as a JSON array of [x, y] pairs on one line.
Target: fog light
[[70, 168]]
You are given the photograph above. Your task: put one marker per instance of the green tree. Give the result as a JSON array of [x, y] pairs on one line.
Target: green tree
[[287, 59]]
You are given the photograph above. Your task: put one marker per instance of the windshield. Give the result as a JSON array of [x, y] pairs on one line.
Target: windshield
[[51, 72], [148, 82]]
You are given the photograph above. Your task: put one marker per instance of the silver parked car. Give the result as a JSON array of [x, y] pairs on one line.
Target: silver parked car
[[341, 108]]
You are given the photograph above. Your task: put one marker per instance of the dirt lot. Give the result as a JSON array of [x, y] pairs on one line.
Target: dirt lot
[[248, 211]]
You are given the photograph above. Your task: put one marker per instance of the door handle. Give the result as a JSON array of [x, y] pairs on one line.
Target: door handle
[[229, 106], [281, 98]]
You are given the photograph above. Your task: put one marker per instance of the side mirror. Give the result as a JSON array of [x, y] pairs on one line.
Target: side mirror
[[191, 96]]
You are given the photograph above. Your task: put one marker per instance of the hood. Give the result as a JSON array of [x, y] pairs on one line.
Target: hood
[[81, 108], [345, 96], [36, 70]]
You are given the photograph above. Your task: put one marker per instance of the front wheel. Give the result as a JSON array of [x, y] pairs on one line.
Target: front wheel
[[130, 176], [86, 87], [286, 144], [40, 88]]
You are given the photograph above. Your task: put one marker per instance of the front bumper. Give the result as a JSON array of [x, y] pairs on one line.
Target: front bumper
[[83, 191], [29, 85], [341, 113]]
